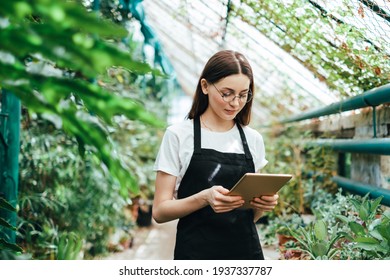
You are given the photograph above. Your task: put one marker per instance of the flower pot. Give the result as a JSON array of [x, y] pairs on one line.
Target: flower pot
[[291, 254], [144, 218]]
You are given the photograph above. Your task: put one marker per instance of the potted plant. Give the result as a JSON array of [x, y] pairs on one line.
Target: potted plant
[[315, 241]]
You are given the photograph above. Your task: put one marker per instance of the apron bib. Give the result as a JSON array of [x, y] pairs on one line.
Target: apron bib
[[205, 234]]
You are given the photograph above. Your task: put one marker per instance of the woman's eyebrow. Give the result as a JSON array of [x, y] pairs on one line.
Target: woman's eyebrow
[[230, 89]]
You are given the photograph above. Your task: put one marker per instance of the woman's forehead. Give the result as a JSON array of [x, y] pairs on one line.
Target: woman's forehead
[[237, 81]]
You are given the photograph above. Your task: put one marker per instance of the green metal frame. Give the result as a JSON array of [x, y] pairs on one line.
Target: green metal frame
[[379, 146], [371, 98], [363, 189]]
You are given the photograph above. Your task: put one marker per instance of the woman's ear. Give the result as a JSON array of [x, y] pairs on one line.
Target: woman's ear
[[205, 85]]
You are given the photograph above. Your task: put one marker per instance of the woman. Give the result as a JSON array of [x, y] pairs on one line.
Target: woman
[[203, 157]]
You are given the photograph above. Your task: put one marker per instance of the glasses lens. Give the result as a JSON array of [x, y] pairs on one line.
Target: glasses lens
[[242, 98]]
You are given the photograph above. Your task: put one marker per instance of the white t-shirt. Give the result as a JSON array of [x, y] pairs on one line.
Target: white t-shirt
[[177, 147]]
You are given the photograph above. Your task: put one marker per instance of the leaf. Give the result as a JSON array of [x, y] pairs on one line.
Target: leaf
[[302, 241], [319, 249], [363, 212], [343, 218], [6, 224], [384, 231], [6, 205], [356, 203], [10, 246], [369, 245], [368, 240], [346, 235], [320, 230], [61, 248], [374, 206], [332, 253], [356, 228], [376, 234]]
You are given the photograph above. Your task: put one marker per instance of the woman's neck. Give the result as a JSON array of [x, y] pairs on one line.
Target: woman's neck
[[213, 123]]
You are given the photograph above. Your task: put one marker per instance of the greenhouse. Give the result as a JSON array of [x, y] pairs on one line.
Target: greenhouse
[[96, 96]]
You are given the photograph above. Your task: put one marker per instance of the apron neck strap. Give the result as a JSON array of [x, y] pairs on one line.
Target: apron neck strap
[[197, 139], [248, 154]]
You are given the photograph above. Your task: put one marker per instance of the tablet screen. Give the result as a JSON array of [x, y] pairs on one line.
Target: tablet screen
[[256, 184]]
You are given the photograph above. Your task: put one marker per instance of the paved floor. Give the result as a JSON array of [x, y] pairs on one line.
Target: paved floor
[[157, 242]]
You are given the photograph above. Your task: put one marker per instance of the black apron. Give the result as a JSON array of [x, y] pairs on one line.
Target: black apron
[[205, 234]]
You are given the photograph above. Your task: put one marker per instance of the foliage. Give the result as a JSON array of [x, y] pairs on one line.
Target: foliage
[[69, 246], [4, 245], [50, 54], [136, 143], [61, 191], [327, 42], [369, 233], [312, 167], [328, 206], [278, 225], [287, 222], [315, 241], [364, 235], [284, 156]]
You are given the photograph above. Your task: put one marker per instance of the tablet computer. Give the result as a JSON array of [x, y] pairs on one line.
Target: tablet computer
[[256, 184]]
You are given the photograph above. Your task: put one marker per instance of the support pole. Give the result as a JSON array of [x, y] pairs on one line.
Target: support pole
[[9, 158]]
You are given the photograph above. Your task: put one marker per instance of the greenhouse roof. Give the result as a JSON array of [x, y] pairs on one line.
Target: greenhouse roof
[[304, 53]]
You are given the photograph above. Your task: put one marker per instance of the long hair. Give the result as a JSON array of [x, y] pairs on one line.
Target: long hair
[[220, 65]]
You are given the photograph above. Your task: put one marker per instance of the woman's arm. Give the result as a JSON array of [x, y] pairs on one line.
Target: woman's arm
[[166, 208], [263, 204]]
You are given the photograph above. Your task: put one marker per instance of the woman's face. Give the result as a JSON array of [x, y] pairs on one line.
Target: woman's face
[[237, 85]]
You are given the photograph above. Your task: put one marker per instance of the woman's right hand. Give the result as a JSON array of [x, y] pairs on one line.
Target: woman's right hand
[[218, 199]]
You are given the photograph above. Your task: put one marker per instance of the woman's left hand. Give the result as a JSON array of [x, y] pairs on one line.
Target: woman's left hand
[[265, 202]]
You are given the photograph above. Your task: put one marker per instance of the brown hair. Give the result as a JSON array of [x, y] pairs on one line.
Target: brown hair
[[220, 65]]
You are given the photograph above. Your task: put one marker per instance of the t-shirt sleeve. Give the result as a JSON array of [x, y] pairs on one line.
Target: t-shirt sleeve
[[168, 156], [260, 160]]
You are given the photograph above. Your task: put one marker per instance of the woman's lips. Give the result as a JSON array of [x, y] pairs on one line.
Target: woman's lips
[[230, 112]]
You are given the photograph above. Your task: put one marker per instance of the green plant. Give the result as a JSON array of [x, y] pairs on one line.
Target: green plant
[[285, 223], [315, 241], [369, 233], [312, 167], [4, 244], [69, 246], [328, 207], [61, 191]]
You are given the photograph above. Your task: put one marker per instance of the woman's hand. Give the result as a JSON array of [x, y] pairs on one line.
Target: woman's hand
[[218, 199], [265, 203]]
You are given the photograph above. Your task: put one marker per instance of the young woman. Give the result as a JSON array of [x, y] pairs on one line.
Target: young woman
[[203, 157]]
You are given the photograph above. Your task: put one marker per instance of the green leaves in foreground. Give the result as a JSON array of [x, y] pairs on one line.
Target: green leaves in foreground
[[49, 53]]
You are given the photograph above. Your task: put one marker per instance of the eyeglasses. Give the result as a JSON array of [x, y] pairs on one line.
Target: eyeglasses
[[230, 96]]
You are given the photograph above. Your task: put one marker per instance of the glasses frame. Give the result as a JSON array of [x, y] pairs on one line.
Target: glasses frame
[[250, 96]]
